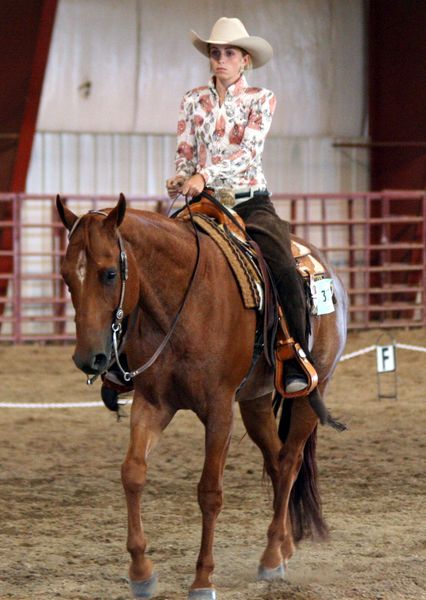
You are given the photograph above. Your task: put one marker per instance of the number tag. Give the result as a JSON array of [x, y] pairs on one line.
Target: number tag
[[322, 295]]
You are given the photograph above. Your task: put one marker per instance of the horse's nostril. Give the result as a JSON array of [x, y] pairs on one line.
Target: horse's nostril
[[99, 363]]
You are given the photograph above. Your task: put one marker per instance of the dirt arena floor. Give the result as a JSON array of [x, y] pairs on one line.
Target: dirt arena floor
[[62, 510]]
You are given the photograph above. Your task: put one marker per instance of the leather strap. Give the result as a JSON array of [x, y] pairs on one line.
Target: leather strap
[[223, 208], [130, 375]]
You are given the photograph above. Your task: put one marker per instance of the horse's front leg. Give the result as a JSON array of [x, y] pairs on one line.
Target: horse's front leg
[[210, 493], [147, 423]]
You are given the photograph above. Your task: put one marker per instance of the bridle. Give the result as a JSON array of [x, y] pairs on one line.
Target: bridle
[[117, 324]]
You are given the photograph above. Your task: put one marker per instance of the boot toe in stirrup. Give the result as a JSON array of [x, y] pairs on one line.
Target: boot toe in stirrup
[[295, 384]]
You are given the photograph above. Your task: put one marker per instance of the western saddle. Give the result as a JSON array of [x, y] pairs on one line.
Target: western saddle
[[286, 348]]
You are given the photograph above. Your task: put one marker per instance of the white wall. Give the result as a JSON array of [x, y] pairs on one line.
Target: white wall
[[137, 56]]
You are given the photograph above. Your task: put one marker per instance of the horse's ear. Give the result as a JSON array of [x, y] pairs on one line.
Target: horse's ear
[[68, 218], [116, 215]]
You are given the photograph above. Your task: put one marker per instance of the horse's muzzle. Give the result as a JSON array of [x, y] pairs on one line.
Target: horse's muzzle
[[92, 365]]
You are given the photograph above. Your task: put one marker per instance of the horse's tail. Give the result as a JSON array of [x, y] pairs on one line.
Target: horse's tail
[[305, 501], [317, 404]]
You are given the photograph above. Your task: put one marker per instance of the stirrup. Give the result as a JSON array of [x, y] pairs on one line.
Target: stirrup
[[287, 349]]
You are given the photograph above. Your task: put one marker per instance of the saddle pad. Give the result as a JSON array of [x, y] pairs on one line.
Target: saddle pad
[[241, 265]]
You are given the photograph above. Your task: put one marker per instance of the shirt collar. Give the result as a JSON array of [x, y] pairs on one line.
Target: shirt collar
[[234, 90]]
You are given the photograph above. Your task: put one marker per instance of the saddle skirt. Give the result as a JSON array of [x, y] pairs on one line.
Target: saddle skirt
[[306, 263]]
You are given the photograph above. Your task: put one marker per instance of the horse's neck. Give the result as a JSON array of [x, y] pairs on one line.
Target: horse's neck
[[165, 254]]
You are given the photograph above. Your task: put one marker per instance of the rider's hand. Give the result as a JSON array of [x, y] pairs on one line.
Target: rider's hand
[[174, 185], [193, 186]]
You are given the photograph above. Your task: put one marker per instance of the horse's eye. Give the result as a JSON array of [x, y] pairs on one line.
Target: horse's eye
[[109, 275]]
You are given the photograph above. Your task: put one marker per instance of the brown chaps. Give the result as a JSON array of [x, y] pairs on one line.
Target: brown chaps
[[272, 234]]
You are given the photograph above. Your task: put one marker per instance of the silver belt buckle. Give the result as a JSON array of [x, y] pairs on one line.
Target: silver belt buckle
[[226, 196]]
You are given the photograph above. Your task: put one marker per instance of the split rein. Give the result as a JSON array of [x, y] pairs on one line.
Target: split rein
[[117, 324]]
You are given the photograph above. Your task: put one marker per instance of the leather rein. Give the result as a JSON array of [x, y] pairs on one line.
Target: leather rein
[[117, 324]]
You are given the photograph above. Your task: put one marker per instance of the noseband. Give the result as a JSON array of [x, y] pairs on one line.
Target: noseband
[[117, 327]]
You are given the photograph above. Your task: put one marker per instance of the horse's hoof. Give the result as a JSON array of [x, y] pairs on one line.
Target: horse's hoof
[[144, 589], [264, 574], [202, 594]]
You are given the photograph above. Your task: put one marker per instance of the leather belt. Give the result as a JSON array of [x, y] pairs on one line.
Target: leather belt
[[229, 196]]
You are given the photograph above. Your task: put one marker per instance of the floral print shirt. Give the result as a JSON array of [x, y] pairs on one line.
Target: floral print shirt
[[224, 143]]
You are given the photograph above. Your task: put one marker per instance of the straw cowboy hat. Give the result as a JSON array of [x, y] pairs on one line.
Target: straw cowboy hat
[[233, 33]]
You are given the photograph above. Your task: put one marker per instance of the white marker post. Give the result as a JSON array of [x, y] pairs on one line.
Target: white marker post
[[386, 363]]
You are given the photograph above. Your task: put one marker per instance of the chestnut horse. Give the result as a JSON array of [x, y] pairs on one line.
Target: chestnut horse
[[201, 368]]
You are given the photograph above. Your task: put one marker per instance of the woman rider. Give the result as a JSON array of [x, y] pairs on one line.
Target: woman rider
[[221, 134]]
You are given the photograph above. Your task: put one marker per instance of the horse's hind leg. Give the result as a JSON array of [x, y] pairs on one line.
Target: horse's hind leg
[[280, 537], [147, 423], [218, 426], [259, 421]]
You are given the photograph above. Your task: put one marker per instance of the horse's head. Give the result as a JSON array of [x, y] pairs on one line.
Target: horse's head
[[93, 272]]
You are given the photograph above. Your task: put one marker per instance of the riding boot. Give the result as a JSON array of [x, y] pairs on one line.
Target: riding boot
[[291, 293], [290, 288], [273, 236]]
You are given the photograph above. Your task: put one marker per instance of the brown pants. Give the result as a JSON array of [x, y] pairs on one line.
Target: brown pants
[[272, 234]]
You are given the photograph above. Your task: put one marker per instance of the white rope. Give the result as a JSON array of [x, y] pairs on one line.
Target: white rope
[[415, 348], [357, 353], [371, 348], [97, 404]]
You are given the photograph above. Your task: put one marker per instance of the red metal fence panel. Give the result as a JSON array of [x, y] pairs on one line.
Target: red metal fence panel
[[386, 281], [385, 274]]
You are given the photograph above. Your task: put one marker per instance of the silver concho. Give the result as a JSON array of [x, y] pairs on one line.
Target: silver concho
[[226, 196]]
